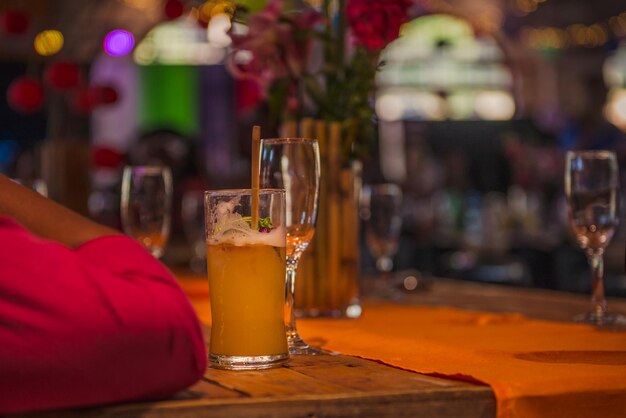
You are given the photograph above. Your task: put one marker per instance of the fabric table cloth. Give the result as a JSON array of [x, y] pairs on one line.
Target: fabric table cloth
[[535, 368]]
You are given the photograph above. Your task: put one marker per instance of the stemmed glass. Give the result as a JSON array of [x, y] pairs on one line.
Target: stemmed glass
[[383, 222], [293, 164], [192, 214], [591, 182], [147, 205]]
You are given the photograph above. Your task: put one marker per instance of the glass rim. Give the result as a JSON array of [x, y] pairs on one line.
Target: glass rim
[[233, 192], [288, 140], [150, 168], [601, 153]]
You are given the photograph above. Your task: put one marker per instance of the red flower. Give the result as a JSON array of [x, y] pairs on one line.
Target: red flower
[[375, 23], [249, 95]]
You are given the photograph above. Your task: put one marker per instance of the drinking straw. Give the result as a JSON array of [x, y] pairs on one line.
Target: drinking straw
[[256, 172]]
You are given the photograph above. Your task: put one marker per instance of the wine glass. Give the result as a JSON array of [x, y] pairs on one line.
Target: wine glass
[[381, 211], [293, 164], [591, 182], [192, 214], [147, 205], [383, 222]]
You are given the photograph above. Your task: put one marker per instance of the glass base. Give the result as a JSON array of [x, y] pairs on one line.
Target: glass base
[[353, 310], [397, 285], [298, 347], [603, 319], [220, 361]]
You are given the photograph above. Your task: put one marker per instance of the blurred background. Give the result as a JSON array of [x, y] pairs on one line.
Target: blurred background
[[475, 106]]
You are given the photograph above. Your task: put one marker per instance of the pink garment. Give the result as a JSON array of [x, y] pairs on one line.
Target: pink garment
[[103, 323]]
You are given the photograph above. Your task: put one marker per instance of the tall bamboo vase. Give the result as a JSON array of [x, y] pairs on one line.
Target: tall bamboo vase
[[328, 276]]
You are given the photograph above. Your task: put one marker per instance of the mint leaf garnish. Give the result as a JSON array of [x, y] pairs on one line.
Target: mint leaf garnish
[[265, 224]]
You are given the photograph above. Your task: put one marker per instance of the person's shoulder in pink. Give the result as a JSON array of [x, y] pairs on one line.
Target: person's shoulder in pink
[[99, 323]]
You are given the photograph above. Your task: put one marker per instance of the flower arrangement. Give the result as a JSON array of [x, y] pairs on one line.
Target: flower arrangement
[[318, 62]]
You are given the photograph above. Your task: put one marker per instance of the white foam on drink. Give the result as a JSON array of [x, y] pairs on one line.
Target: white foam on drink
[[231, 228], [275, 238]]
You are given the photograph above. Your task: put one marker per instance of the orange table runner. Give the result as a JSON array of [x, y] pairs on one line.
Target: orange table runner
[[536, 368]]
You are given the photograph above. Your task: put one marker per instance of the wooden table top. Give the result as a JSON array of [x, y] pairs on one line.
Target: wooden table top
[[534, 303], [344, 386]]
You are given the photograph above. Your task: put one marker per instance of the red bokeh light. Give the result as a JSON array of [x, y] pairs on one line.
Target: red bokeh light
[[14, 22], [105, 157], [174, 9], [25, 95], [63, 75], [107, 94], [84, 100]]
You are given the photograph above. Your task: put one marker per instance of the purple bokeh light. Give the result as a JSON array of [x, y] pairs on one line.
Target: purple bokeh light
[[118, 42]]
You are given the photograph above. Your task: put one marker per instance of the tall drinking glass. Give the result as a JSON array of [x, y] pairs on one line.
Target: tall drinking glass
[[147, 205], [294, 165], [591, 182], [246, 268]]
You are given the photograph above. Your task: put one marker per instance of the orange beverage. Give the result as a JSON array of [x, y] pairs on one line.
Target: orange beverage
[[298, 238], [246, 266], [247, 285]]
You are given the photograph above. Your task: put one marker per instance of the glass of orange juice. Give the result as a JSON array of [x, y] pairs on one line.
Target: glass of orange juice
[[246, 268]]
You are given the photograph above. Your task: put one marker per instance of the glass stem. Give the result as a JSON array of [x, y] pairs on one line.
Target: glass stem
[[290, 299], [596, 262]]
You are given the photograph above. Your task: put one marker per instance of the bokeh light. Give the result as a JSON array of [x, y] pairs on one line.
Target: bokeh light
[[211, 8], [14, 22], [183, 42], [494, 105], [390, 107], [48, 42], [615, 110], [118, 43], [217, 31], [25, 95]]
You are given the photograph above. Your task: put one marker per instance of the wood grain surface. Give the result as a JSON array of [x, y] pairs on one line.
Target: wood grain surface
[[312, 387]]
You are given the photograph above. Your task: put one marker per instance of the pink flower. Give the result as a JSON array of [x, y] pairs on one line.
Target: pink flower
[[274, 49], [264, 64], [375, 23]]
